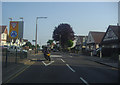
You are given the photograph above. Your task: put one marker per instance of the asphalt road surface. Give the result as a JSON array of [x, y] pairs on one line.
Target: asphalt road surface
[[65, 68]]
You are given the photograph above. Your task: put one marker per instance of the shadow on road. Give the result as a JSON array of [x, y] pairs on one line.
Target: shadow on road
[[38, 60]]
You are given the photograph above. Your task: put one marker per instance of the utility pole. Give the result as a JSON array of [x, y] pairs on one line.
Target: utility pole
[[22, 27]]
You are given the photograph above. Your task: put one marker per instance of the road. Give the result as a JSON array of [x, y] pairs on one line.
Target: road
[[65, 68]]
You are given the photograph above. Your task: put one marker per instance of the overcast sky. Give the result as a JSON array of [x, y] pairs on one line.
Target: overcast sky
[[82, 16]]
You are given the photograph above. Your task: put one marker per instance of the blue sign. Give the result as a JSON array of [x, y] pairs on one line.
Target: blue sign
[[13, 34]]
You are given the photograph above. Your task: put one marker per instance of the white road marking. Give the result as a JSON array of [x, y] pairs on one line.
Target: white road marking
[[44, 63], [84, 81], [62, 60], [48, 63], [70, 68], [56, 56], [70, 56]]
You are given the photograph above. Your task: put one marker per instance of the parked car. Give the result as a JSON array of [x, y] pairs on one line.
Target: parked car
[[30, 49], [4, 46], [55, 50], [24, 50], [12, 49], [96, 52]]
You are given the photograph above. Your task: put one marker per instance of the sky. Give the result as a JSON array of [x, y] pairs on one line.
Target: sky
[[119, 12], [82, 16]]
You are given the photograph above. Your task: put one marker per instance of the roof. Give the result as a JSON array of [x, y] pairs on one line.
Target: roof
[[115, 30], [3, 29], [97, 36]]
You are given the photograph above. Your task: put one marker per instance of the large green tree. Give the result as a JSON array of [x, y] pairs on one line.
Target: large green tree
[[38, 46], [50, 42], [63, 33], [70, 43], [28, 44]]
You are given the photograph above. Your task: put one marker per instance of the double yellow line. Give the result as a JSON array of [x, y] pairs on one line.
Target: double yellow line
[[11, 78]]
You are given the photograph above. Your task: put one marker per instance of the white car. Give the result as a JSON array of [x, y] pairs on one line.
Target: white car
[[24, 50], [12, 49]]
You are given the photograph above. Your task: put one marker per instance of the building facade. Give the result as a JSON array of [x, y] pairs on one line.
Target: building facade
[[3, 35], [80, 42], [94, 40], [111, 41]]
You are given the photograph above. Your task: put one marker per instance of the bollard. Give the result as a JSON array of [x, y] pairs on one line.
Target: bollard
[[6, 58]]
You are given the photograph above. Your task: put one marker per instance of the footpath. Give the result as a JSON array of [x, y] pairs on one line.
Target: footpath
[[105, 61]]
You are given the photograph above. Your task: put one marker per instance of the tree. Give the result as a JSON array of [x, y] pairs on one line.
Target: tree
[[43, 46], [27, 44], [33, 47], [70, 43], [38, 46], [63, 33], [50, 42]]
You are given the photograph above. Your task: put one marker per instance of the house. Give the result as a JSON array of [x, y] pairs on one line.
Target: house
[[80, 42], [111, 41], [3, 35], [94, 40]]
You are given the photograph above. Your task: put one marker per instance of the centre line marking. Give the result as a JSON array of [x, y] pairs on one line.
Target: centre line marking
[[84, 81], [62, 60], [70, 68]]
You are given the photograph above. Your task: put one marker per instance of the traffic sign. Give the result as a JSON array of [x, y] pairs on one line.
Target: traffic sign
[[13, 31], [13, 34]]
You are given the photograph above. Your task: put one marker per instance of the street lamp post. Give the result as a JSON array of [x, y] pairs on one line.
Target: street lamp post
[[36, 32], [22, 27], [9, 34]]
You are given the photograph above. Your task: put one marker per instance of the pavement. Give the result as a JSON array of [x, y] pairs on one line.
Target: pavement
[[104, 61]]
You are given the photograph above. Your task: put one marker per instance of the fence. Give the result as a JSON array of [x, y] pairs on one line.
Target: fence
[[10, 58], [111, 52]]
